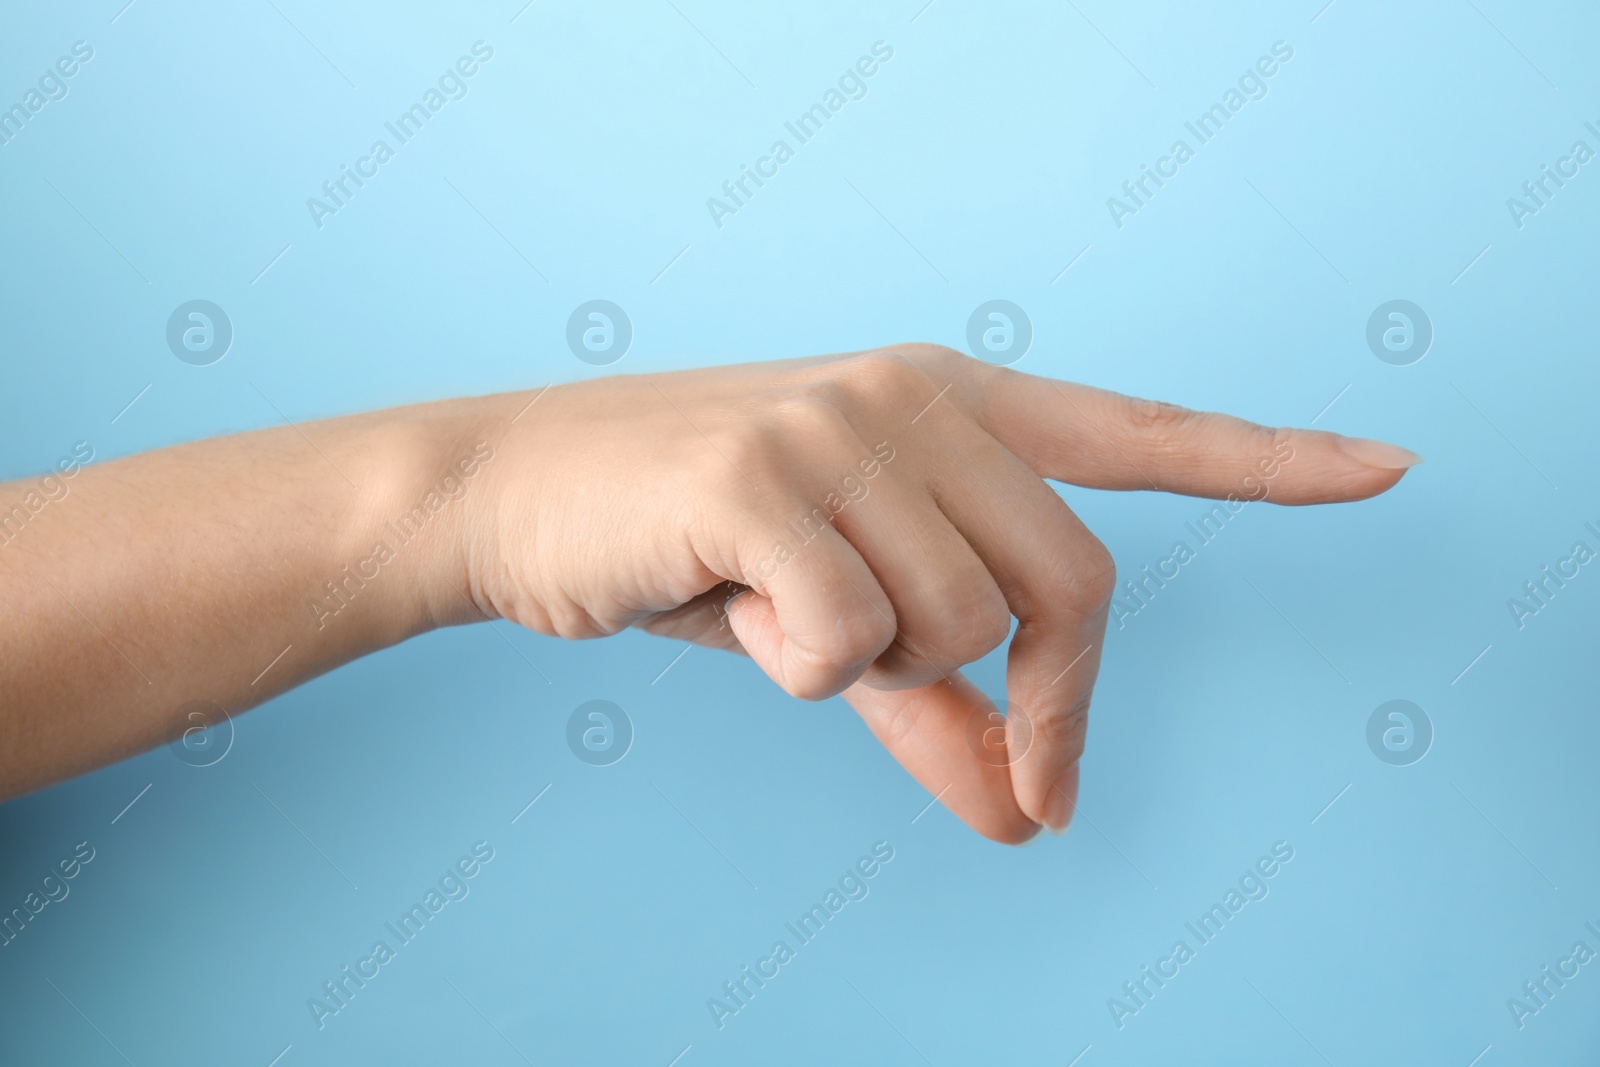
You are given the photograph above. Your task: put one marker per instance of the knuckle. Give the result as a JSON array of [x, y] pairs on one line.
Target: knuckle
[[1158, 420], [1063, 735], [1083, 578], [923, 353], [750, 446], [832, 660], [881, 375], [970, 628], [811, 685], [811, 415], [853, 643]]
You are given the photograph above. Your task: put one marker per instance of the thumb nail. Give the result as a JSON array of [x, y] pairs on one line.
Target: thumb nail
[[1377, 453], [1062, 803]]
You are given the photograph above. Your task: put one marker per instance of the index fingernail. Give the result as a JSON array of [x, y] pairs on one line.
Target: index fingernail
[[1377, 453], [1063, 801]]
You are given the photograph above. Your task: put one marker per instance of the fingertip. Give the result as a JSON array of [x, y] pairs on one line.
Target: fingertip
[[1024, 834], [1328, 468], [1380, 454], [1061, 804]]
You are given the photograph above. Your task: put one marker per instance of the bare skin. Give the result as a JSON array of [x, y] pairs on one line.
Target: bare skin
[[861, 524]]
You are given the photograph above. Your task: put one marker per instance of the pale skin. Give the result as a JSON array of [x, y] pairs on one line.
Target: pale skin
[[656, 501]]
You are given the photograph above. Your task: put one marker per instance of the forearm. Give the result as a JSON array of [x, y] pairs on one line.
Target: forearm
[[224, 571]]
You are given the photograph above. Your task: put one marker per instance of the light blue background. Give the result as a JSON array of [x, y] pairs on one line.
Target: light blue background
[[1381, 161]]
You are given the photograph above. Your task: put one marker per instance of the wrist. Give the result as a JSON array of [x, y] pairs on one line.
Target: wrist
[[427, 514]]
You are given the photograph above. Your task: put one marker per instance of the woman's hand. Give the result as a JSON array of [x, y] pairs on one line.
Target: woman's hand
[[866, 525], [881, 517]]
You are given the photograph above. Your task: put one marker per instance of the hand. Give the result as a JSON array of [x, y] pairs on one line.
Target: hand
[[867, 524]]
